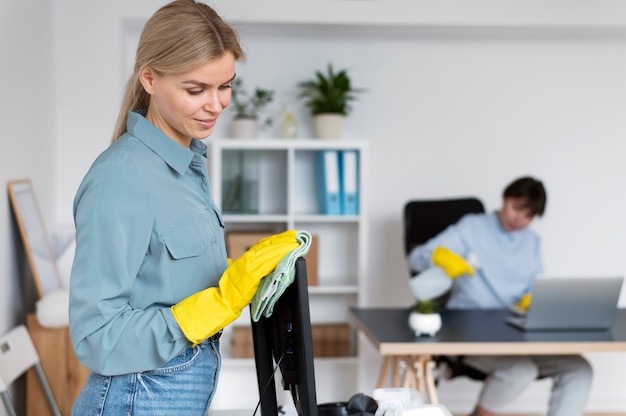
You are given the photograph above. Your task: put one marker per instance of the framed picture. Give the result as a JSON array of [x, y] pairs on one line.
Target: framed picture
[[34, 236]]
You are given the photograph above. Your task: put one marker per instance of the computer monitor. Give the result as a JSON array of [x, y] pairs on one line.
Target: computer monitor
[[285, 339]]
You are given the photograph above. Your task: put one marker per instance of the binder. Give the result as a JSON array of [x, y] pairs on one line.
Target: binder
[[349, 183], [328, 195]]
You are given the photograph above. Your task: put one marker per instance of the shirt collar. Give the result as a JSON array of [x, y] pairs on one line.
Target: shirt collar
[[508, 235], [176, 156]]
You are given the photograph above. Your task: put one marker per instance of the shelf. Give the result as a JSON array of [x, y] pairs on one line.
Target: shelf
[[285, 177], [255, 218], [329, 289]]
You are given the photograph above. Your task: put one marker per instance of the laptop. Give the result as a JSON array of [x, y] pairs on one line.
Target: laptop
[[570, 303]]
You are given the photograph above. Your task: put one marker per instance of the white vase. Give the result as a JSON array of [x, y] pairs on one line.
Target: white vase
[[425, 323], [245, 128], [328, 126]]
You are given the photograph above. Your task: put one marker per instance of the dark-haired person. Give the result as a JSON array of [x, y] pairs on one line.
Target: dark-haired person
[[493, 259]]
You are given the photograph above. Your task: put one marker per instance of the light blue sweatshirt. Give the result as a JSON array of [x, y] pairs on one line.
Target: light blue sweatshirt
[[148, 235], [508, 262]]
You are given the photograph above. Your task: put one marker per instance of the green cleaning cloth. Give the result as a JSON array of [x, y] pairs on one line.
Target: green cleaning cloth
[[274, 284]]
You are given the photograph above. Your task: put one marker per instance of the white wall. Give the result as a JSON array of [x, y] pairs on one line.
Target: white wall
[[27, 135], [27, 129], [460, 101]]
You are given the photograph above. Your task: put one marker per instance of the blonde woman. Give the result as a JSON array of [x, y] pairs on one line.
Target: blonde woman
[[150, 287]]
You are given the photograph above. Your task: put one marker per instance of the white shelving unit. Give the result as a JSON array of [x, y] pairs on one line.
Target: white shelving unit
[[280, 175]]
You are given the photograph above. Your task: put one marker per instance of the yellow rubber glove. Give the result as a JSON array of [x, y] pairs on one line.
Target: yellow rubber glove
[[524, 302], [451, 263], [204, 313]]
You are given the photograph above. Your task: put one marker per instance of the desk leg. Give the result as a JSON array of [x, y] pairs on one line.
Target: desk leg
[[429, 370], [395, 378], [395, 362], [418, 374], [421, 373], [382, 377], [411, 373]]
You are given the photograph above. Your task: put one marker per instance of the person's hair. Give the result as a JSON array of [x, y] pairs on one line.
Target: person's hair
[[179, 37], [529, 189]]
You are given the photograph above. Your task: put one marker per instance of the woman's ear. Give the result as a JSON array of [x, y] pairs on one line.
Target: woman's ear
[[147, 78]]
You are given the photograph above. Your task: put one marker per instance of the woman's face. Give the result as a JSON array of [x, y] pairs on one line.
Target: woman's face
[[514, 214], [186, 105]]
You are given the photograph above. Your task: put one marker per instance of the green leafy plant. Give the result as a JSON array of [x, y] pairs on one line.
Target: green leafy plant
[[426, 306], [329, 92], [249, 105]]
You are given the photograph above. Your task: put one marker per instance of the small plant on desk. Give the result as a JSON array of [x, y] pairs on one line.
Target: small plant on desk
[[424, 318], [426, 306]]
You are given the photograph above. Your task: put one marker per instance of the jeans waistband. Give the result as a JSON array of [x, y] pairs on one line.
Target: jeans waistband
[[215, 337]]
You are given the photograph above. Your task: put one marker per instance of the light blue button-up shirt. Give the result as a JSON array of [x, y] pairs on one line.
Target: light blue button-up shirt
[[148, 235], [507, 262]]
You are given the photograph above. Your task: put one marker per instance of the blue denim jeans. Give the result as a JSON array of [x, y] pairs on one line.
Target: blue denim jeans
[[183, 387]]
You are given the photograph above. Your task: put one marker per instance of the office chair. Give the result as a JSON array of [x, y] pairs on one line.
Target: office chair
[[424, 219], [18, 355]]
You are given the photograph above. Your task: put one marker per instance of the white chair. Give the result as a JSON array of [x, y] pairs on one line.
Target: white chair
[[18, 355]]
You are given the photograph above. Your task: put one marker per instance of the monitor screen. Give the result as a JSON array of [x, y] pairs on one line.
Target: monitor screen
[[285, 339]]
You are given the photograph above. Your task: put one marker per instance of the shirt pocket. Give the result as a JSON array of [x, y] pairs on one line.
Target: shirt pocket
[[218, 214], [189, 240]]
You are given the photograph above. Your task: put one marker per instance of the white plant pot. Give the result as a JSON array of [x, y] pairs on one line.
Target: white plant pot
[[425, 323], [245, 128], [328, 126]]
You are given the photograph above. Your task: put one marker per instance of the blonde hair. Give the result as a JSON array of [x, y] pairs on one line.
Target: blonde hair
[[179, 37]]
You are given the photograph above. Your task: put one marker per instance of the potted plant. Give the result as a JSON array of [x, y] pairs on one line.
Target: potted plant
[[248, 108], [328, 96], [425, 318]]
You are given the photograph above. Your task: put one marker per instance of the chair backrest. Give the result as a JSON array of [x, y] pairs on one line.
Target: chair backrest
[[17, 355], [424, 219]]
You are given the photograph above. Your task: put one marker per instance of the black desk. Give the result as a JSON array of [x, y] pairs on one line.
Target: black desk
[[471, 332]]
